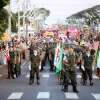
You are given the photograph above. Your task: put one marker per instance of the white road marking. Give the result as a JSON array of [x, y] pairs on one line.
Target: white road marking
[[27, 76], [71, 96], [96, 96], [94, 76], [43, 95], [15, 96], [1, 75], [78, 76], [45, 75]]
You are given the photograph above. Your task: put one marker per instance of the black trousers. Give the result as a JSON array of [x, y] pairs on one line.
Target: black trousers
[[23, 54], [70, 76], [10, 70], [34, 72], [51, 64], [42, 64], [17, 69], [87, 74]]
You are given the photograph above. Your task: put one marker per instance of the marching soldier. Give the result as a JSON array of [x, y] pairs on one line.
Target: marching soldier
[[64, 77], [43, 56], [88, 59], [17, 61], [70, 72], [11, 63], [35, 61], [51, 59]]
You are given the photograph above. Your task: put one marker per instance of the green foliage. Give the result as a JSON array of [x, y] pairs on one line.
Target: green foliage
[[90, 15], [13, 23], [3, 21], [3, 17], [44, 11], [3, 3]]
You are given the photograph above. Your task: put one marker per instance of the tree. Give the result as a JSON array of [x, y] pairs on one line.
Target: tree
[[3, 17], [14, 20], [90, 15], [44, 11], [3, 3], [3, 21], [42, 15]]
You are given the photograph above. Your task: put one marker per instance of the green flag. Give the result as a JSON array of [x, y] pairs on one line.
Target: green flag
[[97, 55], [59, 62]]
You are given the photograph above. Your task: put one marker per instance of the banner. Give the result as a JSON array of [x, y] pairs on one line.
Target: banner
[[58, 58]]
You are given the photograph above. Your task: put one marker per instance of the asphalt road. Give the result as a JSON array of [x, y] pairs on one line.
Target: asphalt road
[[49, 89]]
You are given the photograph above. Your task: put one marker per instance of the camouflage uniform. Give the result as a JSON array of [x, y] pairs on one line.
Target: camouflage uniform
[[88, 61], [70, 72], [43, 57], [17, 62], [51, 58], [11, 64], [35, 61]]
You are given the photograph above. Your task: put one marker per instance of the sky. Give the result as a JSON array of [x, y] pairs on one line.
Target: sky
[[59, 9]]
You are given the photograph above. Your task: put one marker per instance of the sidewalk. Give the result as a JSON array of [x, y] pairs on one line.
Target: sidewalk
[[4, 70]]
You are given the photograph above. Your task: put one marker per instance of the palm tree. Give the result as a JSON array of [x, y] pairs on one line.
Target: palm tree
[[44, 11], [40, 16]]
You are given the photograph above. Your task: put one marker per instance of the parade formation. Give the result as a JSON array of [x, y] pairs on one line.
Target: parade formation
[[63, 58], [48, 59]]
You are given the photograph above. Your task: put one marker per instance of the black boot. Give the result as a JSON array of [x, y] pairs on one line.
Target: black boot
[[38, 83], [65, 89], [12, 76], [75, 89], [84, 82], [91, 83], [31, 82]]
